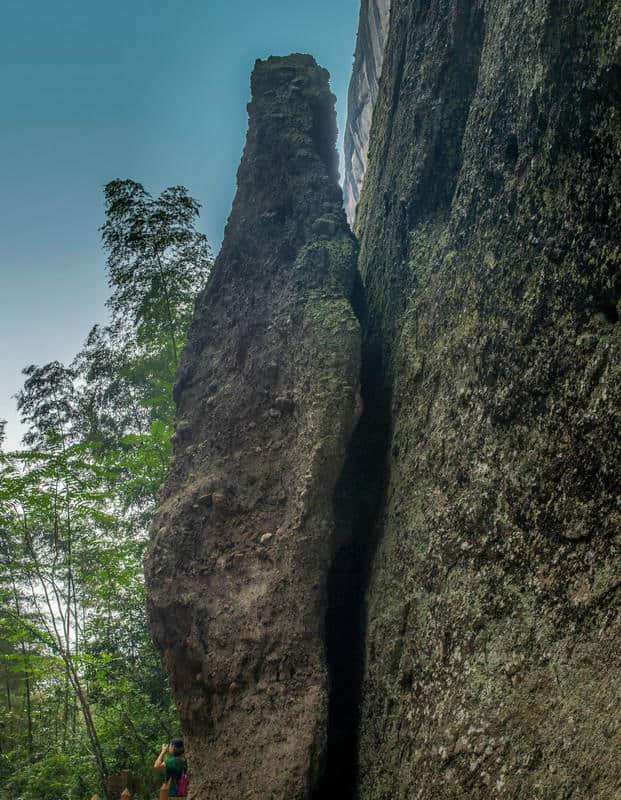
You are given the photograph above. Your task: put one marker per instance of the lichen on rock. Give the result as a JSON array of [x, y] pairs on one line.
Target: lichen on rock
[[490, 254], [267, 398]]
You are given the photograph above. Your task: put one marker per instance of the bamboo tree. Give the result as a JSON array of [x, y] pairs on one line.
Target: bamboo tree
[[5, 548], [77, 501], [49, 597], [157, 261], [47, 404], [26, 679]]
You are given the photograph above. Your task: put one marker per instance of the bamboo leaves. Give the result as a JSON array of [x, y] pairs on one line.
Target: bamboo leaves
[[75, 505]]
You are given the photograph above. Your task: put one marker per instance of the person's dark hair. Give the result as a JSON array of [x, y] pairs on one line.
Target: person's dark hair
[[178, 748]]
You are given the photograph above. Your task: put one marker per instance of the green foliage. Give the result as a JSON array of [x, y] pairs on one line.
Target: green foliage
[[46, 403], [112, 400], [157, 261], [82, 692], [56, 776]]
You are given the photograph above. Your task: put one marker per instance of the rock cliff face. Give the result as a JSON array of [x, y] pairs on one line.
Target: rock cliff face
[[491, 257], [439, 619], [363, 89], [267, 398]]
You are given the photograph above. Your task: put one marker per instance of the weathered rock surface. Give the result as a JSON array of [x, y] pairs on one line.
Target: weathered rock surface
[[363, 89], [267, 399], [491, 255]]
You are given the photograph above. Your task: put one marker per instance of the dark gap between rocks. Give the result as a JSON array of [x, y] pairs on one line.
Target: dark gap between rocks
[[357, 502]]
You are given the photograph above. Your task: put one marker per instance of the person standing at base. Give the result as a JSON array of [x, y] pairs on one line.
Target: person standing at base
[[171, 762]]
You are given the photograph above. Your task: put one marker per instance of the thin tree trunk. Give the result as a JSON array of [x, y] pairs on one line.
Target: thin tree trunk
[[63, 648], [66, 708], [29, 721], [27, 680]]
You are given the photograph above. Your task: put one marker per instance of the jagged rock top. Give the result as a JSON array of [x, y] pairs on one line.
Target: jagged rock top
[[289, 171]]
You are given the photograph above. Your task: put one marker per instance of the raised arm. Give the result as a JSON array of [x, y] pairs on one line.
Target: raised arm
[[159, 761]]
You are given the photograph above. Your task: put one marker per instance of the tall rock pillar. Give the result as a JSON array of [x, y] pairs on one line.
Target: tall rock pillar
[[267, 397]]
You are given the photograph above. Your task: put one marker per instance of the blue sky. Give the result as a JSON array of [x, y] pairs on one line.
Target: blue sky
[[153, 90]]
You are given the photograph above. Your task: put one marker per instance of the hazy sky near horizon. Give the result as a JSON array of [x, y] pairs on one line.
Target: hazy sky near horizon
[[153, 90]]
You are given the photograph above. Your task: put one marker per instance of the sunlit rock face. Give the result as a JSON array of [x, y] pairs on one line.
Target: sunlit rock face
[[491, 256], [363, 88], [267, 397]]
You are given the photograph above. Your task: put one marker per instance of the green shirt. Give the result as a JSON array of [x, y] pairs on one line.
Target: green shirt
[[175, 767]]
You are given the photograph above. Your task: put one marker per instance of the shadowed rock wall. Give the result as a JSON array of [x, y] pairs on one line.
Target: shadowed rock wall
[[267, 398], [491, 256]]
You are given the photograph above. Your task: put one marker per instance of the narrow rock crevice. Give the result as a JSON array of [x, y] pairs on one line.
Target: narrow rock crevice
[[357, 503]]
